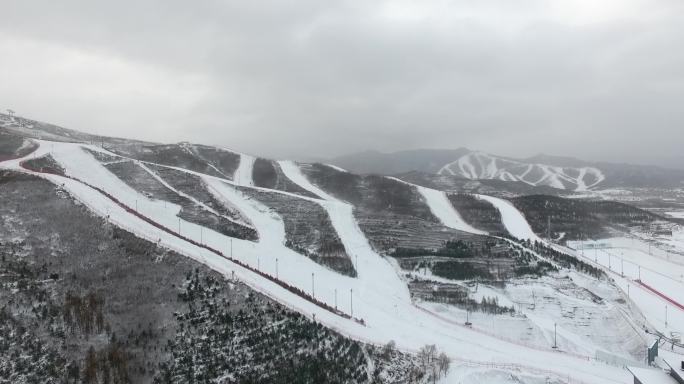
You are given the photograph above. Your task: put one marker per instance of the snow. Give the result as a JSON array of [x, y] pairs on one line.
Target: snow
[[243, 173], [676, 214], [335, 167], [628, 261], [652, 376], [380, 296], [441, 207], [480, 165], [512, 218], [292, 171]]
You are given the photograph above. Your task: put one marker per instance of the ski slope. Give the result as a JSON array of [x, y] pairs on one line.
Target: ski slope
[[441, 207], [378, 294], [243, 173], [513, 220]]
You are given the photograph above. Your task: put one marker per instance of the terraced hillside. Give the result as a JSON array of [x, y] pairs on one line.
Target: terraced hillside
[[308, 229], [197, 204], [208, 160], [267, 174], [390, 213], [478, 213], [574, 219]]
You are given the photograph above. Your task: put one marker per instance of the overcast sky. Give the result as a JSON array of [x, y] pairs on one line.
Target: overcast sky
[[598, 79]]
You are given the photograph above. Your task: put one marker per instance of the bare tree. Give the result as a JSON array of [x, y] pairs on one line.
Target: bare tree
[[388, 349], [444, 362], [426, 356]]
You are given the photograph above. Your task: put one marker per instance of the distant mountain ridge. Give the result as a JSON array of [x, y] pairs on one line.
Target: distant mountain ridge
[[565, 173], [542, 170]]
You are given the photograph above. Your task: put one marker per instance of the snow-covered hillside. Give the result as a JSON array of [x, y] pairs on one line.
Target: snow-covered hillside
[[532, 285], [479, 165]]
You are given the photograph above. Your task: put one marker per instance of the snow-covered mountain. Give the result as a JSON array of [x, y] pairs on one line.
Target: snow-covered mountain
[[502, 287], [539, 171], [479, 165]]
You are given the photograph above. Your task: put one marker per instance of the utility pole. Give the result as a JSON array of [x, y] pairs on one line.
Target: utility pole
[[622, 271], [666, 315], [201, 235], [548, 228], [313, 290], [335, 298], [258, 264], [468, 323], [179, 226], [351, 301], [231, 247], [555, 341], [639, 266], [276, 268]]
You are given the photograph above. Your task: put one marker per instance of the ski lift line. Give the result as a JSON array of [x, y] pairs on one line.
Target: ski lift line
[[662, 295], [642, 285], [643, 267], [512, 341]]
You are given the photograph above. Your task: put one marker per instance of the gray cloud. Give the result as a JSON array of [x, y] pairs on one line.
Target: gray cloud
[[600, 80]]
